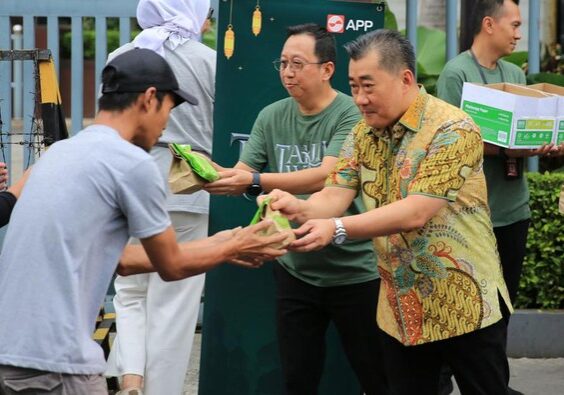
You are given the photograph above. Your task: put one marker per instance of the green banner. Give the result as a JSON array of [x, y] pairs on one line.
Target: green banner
[[239, 347]]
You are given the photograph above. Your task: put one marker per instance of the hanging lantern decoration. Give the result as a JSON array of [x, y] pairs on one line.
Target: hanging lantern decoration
[[229, 39], [257, 20], [229, 42]]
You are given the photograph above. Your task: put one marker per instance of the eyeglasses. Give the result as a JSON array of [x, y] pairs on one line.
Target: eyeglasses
[[281, 65]]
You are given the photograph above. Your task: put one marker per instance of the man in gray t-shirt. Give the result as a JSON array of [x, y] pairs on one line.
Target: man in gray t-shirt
[[85, 197]]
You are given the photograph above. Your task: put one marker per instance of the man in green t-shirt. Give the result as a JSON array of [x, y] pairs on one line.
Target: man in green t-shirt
[[496, 32], [298, 139]]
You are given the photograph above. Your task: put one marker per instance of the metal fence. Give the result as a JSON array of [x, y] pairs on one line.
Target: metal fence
[[101, 10]]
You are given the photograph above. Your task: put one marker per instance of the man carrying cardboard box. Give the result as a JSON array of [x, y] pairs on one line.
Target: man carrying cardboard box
[[496, 32]]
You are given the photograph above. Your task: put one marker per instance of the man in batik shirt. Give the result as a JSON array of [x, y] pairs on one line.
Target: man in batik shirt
[[417, 162]]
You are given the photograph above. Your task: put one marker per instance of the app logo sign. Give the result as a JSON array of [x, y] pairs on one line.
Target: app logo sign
[[338, 24], [335, 23]]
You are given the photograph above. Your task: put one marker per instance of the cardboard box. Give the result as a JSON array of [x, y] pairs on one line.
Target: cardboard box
[[511, 116], [559, 91]]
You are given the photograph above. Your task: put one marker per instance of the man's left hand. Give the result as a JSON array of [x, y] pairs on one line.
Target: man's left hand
[[232, 182], [313, 235]]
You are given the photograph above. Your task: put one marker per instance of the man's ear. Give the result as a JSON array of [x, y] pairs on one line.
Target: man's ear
[[328, 70], [487, 24], [148, 98], [408, 78]]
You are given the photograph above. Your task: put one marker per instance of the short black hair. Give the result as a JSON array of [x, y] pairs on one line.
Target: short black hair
[[325, 45], [482, 9], [394, 50]]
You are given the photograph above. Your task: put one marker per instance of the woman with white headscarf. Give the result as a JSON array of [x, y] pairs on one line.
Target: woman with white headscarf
[[156, 320]]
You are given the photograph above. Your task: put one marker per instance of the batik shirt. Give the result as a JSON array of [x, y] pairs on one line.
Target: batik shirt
[[443, 279]]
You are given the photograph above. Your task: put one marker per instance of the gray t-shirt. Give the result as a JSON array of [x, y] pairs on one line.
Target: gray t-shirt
[[193, 64], [85, 197]]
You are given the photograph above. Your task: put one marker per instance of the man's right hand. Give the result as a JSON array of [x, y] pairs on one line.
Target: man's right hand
[[285, 202], [251, 249]]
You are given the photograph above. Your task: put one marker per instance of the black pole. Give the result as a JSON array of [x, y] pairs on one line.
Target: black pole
[[466, 37], [560, 23]]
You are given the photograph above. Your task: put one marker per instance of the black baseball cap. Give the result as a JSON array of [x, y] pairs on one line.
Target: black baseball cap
[[139, 69]]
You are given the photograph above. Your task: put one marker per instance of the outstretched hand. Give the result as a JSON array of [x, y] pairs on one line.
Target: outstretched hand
[[251, 249], [231, 182], [285, 202], [313, 235]]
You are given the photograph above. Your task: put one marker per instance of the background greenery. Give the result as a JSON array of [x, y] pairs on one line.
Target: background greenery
[[542, 281]]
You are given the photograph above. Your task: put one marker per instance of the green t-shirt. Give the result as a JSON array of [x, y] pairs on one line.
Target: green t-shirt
[[508, 199], [284, 140]]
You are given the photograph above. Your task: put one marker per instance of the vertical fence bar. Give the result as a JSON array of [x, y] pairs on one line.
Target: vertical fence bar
[[53, 41], [101, 51], [5, 94], [411, 23], [534, 57], [17, 43], [124, 30], [451, 29], [28, 91], [77, 74]]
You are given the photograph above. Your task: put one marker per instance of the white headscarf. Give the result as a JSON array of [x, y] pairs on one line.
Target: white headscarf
[[174, 20]]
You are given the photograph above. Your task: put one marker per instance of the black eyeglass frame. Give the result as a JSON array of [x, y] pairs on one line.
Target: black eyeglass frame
[[277, 64]]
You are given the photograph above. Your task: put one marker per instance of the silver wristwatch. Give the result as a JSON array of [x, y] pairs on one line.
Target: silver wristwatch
[[340, 234]]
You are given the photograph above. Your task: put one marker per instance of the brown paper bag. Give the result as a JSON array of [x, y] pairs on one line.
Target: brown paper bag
[[181, 178], [280, 224]]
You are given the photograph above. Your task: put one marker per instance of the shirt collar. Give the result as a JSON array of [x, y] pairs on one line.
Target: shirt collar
[[411, 119]]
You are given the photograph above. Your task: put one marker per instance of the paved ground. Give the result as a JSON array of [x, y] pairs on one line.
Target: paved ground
[[530, 376]]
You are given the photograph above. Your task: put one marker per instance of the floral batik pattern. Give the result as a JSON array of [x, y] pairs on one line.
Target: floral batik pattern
[[442, 280]]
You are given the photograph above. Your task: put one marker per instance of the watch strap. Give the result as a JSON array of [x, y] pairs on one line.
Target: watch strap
[[256, 178]]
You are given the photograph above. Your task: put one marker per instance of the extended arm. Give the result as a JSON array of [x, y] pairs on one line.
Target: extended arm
[[235, 181], [404, 215], [327, 203], [175, 261]]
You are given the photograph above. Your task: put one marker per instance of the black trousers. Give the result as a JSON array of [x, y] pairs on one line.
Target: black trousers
[[477, 360], [303, 315], [511, 244]]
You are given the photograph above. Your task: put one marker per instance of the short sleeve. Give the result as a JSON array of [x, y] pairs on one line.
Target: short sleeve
[[346, 121], [346, 171], [254, 151], [454, 154], [142, 198], [449, 86]]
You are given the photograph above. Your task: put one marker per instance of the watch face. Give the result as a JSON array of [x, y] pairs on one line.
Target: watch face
[[339, 239], [254, 190]]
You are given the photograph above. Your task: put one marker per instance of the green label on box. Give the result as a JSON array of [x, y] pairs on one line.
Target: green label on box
[[560, 135], [534, 132], [495, 124], [539, 124]]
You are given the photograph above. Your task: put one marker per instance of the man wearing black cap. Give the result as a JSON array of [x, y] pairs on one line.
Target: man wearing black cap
[[85, 197]]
